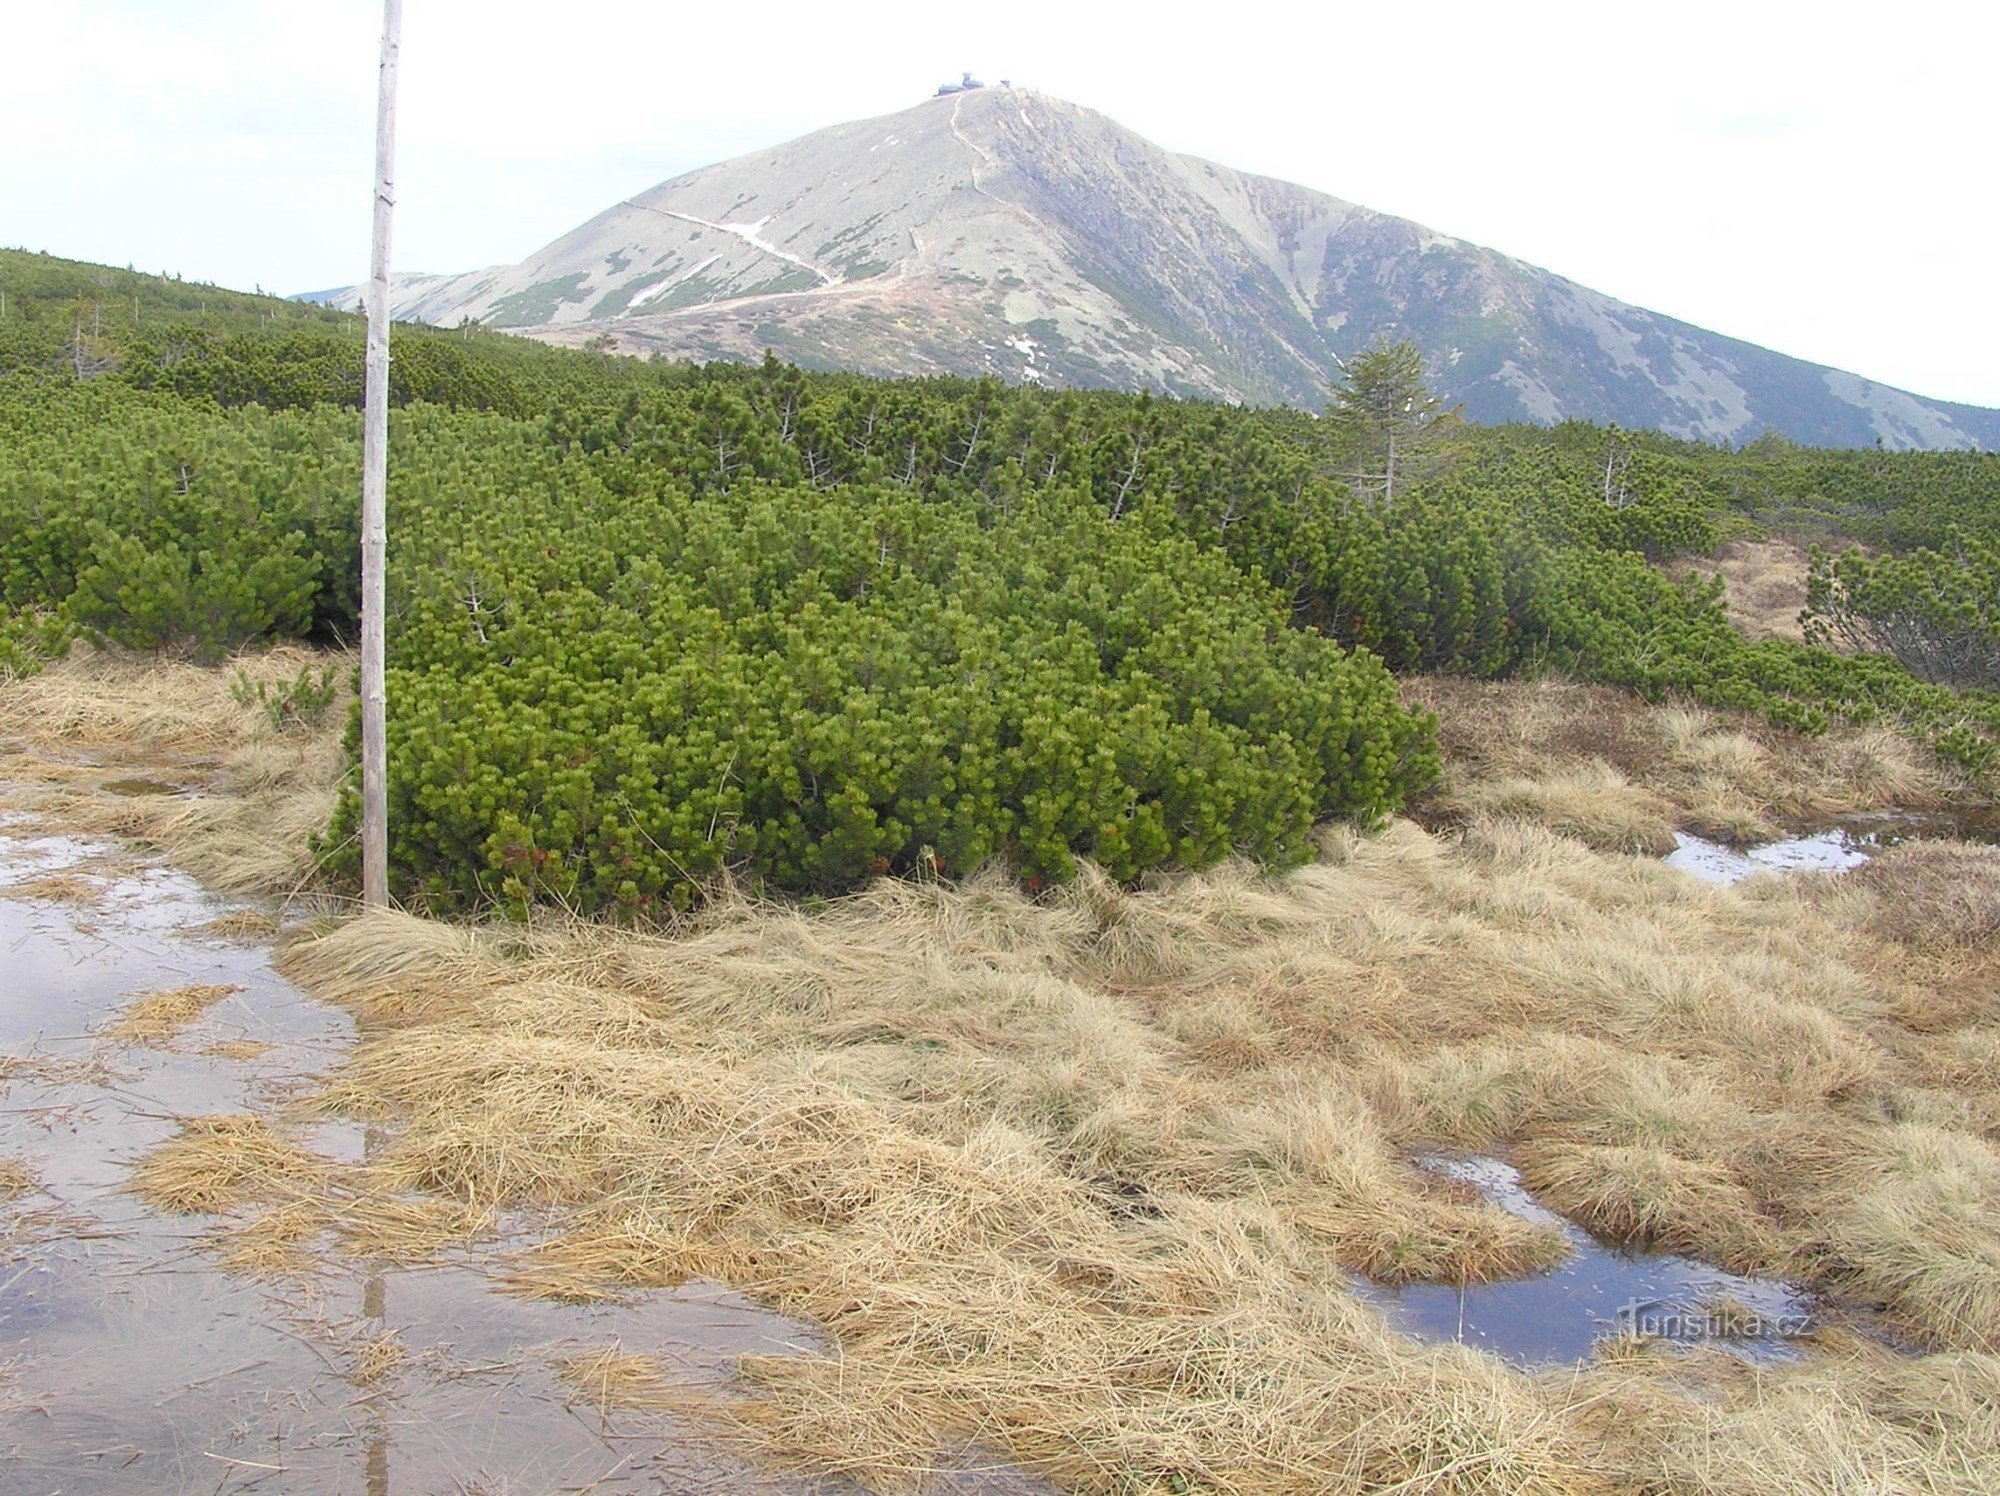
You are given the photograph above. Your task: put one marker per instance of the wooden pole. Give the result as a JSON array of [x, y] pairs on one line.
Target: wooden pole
[[374, 486]]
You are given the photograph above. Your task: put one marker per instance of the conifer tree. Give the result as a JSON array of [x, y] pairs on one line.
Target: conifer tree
[[1387, 430]]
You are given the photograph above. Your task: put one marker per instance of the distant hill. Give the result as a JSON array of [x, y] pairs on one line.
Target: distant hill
[[1003, 231]]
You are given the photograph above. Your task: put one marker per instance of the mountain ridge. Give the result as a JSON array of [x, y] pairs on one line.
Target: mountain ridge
[[1006, 232]]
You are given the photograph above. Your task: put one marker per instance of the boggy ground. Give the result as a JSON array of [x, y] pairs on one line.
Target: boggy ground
[[1084, 1177], [1621, 774], [181, 757]]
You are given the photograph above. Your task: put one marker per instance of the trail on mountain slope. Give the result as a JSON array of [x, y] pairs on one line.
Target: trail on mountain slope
[[747, 232]]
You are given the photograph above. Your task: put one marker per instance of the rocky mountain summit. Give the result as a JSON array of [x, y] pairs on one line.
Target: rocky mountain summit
[[1003, 231]]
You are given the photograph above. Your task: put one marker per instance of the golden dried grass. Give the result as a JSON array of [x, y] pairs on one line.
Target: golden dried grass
[[238, 924], [1931, 894], [58, 888], [239, 1049], [1852, 1418], [275, 1243], [1648, 1197], [157, 1017], [376, 1359], [1619, 774], [613, 1377], [1084, 1176], [17, 1178], [259, 793], [216, 1163], [385, 1227], [1765, 582]]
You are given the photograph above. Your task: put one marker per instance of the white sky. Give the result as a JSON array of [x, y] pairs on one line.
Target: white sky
[[1819, 179]]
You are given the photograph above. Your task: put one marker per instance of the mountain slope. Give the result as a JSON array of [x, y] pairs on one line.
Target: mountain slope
[[1004, 231]]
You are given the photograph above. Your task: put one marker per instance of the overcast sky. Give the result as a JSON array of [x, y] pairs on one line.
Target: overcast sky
[[1817, 180]]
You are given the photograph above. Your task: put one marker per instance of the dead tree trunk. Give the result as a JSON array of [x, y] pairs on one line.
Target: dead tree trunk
[[374, 488]]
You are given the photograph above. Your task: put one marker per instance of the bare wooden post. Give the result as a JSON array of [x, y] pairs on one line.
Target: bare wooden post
[[374, 484]]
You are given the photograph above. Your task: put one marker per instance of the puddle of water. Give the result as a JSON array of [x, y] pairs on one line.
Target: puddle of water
[[132, 787], [1598, 1291], [137, 1365], [1887, 828], [1833, 851]]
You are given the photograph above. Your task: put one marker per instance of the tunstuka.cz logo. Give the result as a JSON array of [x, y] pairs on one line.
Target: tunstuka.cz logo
[[1670, 1319]]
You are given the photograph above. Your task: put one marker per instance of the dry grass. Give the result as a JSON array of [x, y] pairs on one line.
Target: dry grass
[[1766, 582], [1853, 1419], [238, 924], [288, 1202], [1591, 801], [157, 1017], [614, 1377], [218, 1163], [1647, 1196], [259, 793], [57, 888], [53, 1070], [377, 1359], [1931, 894], [239, 1049], [385, 1227], [279, 1242], [17, 1178], [1599, 765], [1084, 1177]]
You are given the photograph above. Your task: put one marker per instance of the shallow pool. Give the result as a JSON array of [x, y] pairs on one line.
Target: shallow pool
[[1834, 851], [130, 1362], [1598, 1292]]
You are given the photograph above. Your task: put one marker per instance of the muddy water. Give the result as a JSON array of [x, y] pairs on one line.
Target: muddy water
[[1598, 1292], [129, 1362]]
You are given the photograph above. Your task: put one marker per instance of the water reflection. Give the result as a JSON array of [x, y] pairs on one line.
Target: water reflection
[[138, 1366], [1833, 851], [1599, 1291]]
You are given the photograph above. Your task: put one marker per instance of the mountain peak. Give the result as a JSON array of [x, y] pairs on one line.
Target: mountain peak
[[997, 230]]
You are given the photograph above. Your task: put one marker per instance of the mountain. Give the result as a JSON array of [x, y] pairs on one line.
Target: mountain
[[1004, 231]]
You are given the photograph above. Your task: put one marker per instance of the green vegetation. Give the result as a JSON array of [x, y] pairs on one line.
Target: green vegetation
[[653, 622], [822, 685], [539, 302], [299, 701], [1384, 426], [1938, 612]]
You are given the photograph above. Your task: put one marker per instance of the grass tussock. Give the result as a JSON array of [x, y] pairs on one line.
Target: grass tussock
[[218, 1163], [1085, 1177], [1930, 894], [258, 792], [157, 1017], [1646, 1196], [1920, 1231], [1853, 1418], [1619, 774]]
